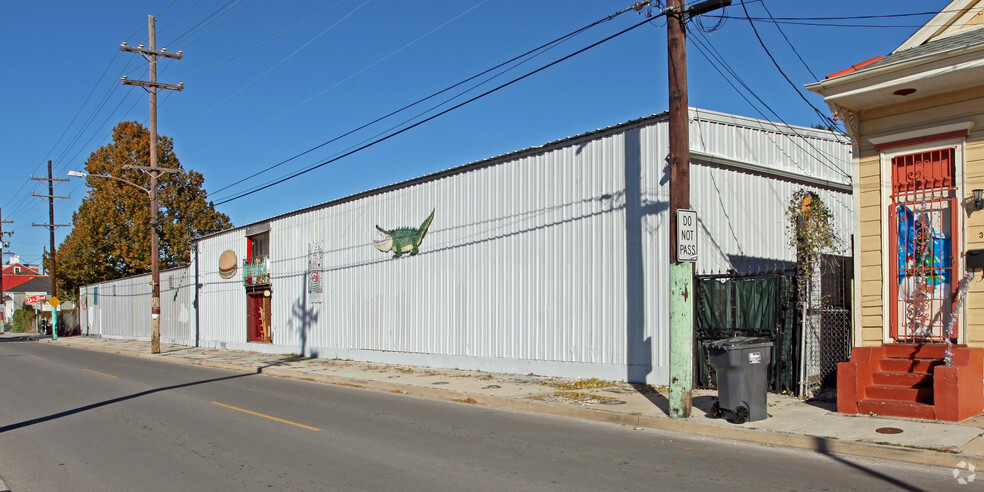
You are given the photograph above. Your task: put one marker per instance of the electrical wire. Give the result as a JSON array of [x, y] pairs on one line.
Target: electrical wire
[[538, 51], [275, 65], [391, 135], [823, 116], [227, 19], [175, 18], [302, 103], [540, 48], [268, 41], [717, 62], [790, 43], [219, 12]]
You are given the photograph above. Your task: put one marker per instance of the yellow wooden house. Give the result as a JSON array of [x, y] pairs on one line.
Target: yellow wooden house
[[916, 117]]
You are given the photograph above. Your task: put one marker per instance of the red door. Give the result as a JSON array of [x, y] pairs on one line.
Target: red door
[[255, 315], [923, 232]]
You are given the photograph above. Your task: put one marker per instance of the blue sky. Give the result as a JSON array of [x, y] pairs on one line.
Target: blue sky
[[267, 80]]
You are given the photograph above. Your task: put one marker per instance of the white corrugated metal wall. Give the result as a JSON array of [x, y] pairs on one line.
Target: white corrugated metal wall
[[526, 267], [221, 302], [742, 212], [121, 308], [549, 260]]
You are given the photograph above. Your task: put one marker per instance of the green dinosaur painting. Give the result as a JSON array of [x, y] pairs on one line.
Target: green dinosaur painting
[[404, 239]]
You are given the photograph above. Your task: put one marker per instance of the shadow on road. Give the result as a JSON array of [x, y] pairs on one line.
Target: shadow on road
[[24, 337], [66, 413], [821, 447]]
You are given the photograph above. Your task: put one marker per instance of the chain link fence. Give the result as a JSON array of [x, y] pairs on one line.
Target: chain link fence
[[826, 325]]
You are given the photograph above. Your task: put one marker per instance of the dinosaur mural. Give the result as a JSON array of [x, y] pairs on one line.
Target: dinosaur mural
[[404, 239]]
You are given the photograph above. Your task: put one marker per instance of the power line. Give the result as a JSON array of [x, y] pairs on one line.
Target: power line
[[206, 21], [852, 17], [542, 47], [790, 43], [346, 79], [718, 60], [826, 119], [268, 41], [227, 19], [275, 65], [391, 135]]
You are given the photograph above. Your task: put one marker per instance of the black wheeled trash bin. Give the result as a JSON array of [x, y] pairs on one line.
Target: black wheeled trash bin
[[742, 365]]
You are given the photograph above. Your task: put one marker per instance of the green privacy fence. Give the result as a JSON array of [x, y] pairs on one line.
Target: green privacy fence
[[760, 306]]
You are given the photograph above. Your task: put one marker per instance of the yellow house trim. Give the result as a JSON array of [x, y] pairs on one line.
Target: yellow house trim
[[922, 132]]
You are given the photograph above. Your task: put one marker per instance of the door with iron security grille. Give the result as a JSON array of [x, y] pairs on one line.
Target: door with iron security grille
[[923, 232]]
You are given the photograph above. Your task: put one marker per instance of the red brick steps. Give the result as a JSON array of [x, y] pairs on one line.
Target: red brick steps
[[911, 380]]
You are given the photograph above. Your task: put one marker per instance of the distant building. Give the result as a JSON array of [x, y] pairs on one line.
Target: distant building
[[16, 273], [20, 279]]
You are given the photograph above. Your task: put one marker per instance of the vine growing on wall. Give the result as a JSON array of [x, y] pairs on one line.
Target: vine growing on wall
[[810, 227]]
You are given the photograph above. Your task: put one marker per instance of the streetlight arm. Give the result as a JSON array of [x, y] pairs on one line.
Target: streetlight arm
[[127, 181]]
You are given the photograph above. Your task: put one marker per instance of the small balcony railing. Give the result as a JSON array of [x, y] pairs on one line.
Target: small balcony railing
[[256, 270]]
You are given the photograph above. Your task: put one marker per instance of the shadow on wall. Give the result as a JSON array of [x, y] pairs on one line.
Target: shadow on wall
[[303, 319], [639, 347], [751, 265]]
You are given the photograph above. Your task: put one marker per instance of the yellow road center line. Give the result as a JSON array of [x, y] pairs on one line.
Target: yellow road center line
[[266, 416], [101, 373], [36, 357]]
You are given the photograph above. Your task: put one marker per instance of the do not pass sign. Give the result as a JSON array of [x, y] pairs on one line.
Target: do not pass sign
[[686, 235]]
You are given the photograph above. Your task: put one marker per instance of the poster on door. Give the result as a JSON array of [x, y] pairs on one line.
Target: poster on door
[[315, 282]]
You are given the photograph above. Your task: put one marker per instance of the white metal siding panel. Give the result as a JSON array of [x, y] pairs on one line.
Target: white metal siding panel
[[800, 151], [222, 302], [177, 315], [742, 220], [121, 308]]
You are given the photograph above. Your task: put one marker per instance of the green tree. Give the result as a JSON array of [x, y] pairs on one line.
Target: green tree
[[23, 320], [110, 235]]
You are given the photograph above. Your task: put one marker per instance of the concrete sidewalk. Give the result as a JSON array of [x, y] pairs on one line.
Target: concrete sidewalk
[[793, 423]]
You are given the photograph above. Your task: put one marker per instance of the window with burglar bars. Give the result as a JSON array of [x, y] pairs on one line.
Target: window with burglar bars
[[922, 233]]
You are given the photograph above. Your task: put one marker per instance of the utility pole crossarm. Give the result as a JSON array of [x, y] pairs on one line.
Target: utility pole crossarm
[[156, 85], [52, 225], [144, 51], [52, 196], [48, 179], [154, 169]]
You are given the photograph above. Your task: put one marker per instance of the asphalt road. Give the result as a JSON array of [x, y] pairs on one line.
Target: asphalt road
[[80, 420]]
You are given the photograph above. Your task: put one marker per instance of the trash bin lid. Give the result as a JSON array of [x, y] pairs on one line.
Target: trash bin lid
[[738, 343]]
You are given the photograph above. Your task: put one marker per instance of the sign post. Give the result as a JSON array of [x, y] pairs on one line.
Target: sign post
[[54, 302], [686, 235]]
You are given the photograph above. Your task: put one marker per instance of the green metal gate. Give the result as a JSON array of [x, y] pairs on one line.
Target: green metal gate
[[751, 306]]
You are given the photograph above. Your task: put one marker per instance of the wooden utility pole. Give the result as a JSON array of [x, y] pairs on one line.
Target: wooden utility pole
[[52, 270], [681, 273], [3, 305], [152, 86]]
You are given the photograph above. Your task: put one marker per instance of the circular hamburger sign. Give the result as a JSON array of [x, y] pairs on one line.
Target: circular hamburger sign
[[228, 264]]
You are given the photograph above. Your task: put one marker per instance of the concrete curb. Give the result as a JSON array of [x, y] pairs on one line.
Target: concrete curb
[[823, 445]]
